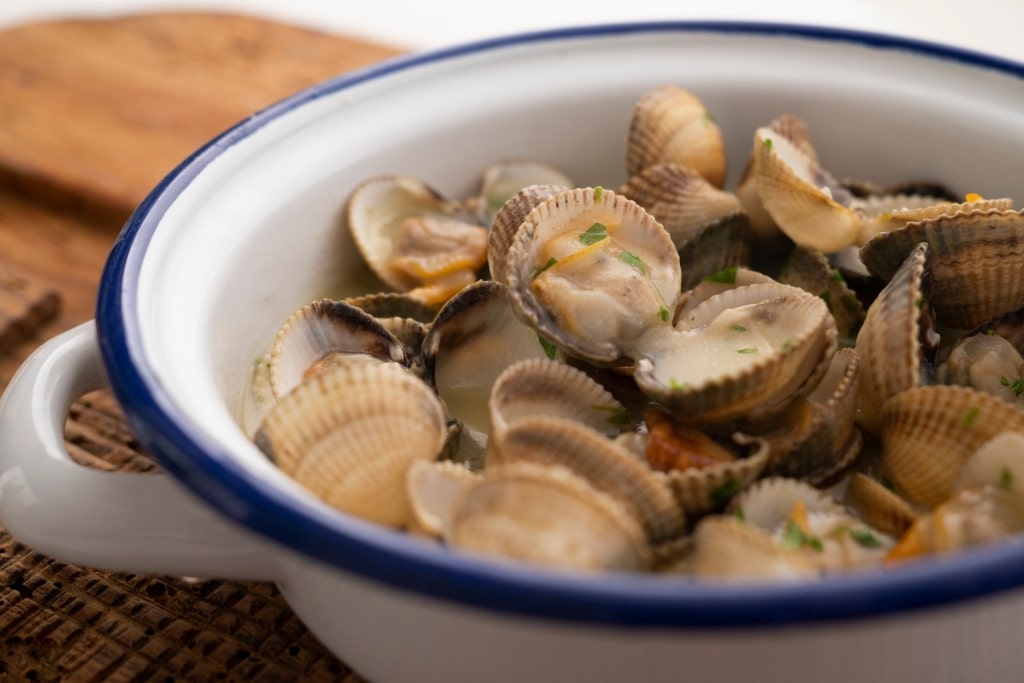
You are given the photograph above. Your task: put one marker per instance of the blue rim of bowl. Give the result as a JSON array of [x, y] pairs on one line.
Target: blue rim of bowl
[[393, 560]]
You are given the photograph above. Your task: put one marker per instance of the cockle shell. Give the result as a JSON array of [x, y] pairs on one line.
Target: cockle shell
[[546, 515], [539, 386], [604, 464], [728, 549], [507, 221], [895, 342], [332, 329], [505, 179], [432, 487], [929, 431], [592, 271], [349, 435], [811, 271], [974, 258], [878, 505], [671, 125]]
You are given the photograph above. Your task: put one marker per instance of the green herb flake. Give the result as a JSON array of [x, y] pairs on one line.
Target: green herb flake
[[598, 193], [537, 270], [990, 332], [676, 385], [549, 349], [865, 538], [631, 259], [788, 344], [767, 143], [1005, 479], [708, 118], [1017, 386], [737, 328], [919, 302], [971, 417], [594, 234], [747, 350], [663, 314], [835, 275], [794, 538], [740, 515], [617, 415], [727, 276], [826, 296], [721, 494]]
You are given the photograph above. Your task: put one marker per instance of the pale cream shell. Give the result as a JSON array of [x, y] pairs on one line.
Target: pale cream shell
[[507, 221], [879, 506], [730, 550], [549, 516], [432, 487], [505, 179], [350, 434], [928, 433]]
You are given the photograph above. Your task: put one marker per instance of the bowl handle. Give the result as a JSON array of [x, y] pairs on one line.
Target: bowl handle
[[123, 521]]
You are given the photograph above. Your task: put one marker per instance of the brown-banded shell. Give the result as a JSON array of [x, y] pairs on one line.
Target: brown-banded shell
[[671, 125], [607, 466], [928, 432], [893, 212], [507, 221], [895, 342], [539, 386], [546, 515], [401, 315], [432, 487], [474, 337], [414, 239], [325, 333], [974, 258], [502, 180], [349, 435], [811, 440], [746, 353], [592, 271], [810, 270], [701, 490], [716, 283], [878, 505]]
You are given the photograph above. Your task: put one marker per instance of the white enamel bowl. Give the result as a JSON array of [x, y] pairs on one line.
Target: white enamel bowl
[[249, 228]]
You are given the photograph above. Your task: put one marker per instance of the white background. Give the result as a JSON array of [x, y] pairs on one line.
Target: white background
[[991, 26]]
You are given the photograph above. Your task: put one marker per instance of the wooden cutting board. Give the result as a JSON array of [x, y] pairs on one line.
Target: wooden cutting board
[[92, 115]]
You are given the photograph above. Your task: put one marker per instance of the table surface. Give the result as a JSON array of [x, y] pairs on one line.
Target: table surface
[[986, 25]]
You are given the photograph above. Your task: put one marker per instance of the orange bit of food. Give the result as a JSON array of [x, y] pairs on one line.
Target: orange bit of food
[[972, 197], [798, 516], [676, 447]]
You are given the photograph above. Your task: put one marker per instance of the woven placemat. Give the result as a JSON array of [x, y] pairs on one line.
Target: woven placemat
[[60, 622]]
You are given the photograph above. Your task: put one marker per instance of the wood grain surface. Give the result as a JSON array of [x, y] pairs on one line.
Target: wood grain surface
[[92, 115]]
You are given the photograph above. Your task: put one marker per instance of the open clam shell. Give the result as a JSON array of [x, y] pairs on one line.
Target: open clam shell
[[324, 333], [811, 271], [895, 342], [878, 505], [474, 338], [546, 515], [743, 354], [505, 179], [730, 550], [414, 239], [974, 258], [349, 435], [602, 462], [507, 221], [928, 432], [769, 502], [432, 487], [671, 125], [592, 271]]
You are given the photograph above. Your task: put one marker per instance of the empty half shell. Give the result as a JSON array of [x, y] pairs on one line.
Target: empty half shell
[[505, 179]]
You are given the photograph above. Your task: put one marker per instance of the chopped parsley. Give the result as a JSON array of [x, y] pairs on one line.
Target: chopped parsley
[[919, 302], [1017, 387], [631, 259], [747, 350], [1005, 479], [794, 538], [737, 328], [549, 349], [727, 276], [617, 415], [971, 416], [708, 118], [663, 314], [594, 234], [721, 494], [598, 193], [672, 383], [835, 275], [740, 515], [865, 538], [537, 270], [767, 143]]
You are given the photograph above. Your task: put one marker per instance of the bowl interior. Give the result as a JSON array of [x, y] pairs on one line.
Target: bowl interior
[[252, 227]]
